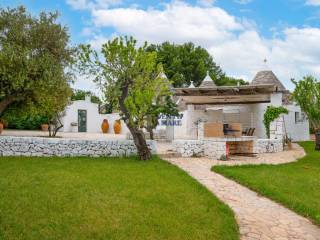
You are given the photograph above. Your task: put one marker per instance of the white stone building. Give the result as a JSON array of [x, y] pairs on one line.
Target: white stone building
[[228, 120], [208, 103], [84, 116], [242, 104]]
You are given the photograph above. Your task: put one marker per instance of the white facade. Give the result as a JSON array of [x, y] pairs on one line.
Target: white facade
[[296, 130], [249, 115], [94, 118]]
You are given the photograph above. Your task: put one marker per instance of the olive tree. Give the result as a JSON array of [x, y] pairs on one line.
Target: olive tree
[[307, 95], [34, 59], [130, 77]]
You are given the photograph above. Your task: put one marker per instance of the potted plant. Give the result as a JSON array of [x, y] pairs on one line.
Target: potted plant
[[105, 126], [1, 125], [117, 126], [45, 127]]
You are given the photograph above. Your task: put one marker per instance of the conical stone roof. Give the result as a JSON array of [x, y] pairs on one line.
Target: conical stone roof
[[207, 82], [191, 85], [267, 77]]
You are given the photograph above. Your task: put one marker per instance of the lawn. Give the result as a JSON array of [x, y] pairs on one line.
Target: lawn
[[107, 198], [295, 185]]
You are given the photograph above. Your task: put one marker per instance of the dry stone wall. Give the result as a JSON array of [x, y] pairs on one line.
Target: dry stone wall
[[277, 129], [268, 146], [46, 147], [189, 148], [216, 148]]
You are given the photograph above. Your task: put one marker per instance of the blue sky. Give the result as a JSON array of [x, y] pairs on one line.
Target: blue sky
[[238, 33]]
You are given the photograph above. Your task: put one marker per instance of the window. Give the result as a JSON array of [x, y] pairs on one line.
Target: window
[[300, 117]]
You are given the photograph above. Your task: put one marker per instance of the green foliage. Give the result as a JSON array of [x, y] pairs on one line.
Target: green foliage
[[307, 95], [130, 77], [271, 114], [34, 57], [149, 99], [187, 63], [229, 81], [81, 94], [18, 117]]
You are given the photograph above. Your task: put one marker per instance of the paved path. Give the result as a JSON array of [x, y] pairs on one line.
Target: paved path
[[257, 217]]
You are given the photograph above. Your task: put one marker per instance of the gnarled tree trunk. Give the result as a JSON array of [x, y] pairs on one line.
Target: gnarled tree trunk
[[141, 143], [317, 134], [9, 99], [6, 102], [137, 134], [150, 131]]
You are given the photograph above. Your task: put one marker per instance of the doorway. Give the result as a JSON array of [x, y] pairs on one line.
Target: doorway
[[82, 120]]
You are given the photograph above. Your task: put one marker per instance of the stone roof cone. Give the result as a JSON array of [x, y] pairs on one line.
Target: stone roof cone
[[267, 77], [191, 85], [207, 82]]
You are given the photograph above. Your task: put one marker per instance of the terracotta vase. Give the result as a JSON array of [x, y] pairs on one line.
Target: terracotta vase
[[1, 127], [117, 126], [105, 126], [44, 127]]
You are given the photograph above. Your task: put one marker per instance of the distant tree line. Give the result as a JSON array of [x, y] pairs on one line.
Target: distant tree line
[[81, 95], [188, 63]]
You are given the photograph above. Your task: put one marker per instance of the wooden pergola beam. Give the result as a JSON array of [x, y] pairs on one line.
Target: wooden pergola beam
[[230, 99], [227, 90]]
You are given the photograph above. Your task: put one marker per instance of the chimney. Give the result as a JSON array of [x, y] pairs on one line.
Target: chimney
[[87, 98]]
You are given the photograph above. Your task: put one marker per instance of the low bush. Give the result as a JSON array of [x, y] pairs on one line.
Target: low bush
[[17, 118]]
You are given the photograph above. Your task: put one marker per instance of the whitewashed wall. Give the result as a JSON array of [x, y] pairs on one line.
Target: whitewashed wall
[[258, 111], [297, 131], [188, 129], [94, 119], [250, 116]]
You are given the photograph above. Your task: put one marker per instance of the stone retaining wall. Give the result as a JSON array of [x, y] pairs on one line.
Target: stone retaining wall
[[37, 146], [189, 148], [268, 146], [216, 148]]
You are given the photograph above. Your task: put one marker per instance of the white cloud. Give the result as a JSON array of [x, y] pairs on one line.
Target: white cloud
[[235, 43], [313, 2], [291, 57], [178, 22]]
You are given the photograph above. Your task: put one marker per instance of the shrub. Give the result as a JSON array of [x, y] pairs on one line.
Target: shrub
[[18, 118], [271, 114]]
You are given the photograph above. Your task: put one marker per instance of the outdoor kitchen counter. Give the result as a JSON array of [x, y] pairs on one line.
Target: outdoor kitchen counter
[[231, 139]]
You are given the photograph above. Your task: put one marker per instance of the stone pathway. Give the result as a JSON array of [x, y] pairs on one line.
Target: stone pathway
[[257, 217]]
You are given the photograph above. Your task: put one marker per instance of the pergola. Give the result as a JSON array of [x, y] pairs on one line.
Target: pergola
[[247, 94]]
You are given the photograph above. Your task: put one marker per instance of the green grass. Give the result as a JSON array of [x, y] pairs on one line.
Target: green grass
[[82, 198], [295, 185]]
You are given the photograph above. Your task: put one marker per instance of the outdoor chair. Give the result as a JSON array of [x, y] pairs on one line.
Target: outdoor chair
[[251, 132], [246, 132]]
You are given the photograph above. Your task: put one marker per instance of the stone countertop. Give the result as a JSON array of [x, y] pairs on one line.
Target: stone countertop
[[232, 139]]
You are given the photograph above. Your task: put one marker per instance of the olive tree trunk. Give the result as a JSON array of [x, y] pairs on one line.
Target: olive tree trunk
[[4, 103], [137, 134], [150, 131], [317, 134], [141, 143]]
